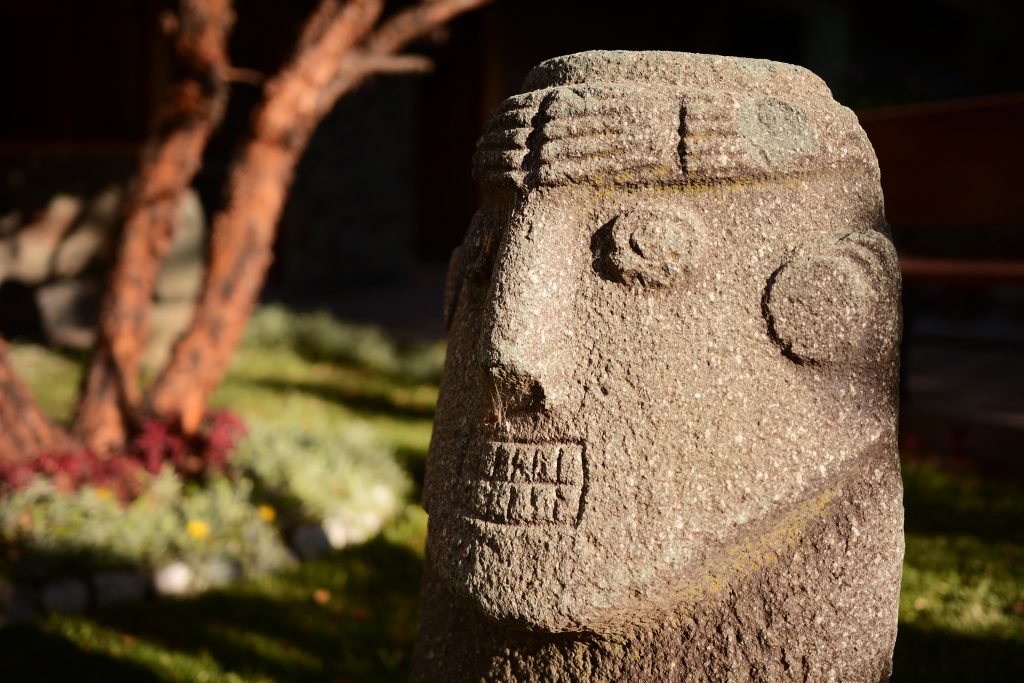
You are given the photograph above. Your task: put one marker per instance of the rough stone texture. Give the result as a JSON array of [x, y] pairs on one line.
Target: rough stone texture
[[61, 256], [93, 236], [665, 446], [309, 541], [177, 578], [68, 310], [16, 605], [119, 586], [181, 271], [169, 319], [65, 595], [35, 245]]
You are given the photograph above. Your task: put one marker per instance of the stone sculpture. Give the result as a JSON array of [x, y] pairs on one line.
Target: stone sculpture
[[665, 445]]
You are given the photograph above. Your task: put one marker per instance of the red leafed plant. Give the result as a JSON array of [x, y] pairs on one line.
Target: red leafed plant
[[190, 455], [124, 474]]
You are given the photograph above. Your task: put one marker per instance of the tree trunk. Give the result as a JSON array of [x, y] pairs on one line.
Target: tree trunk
[[195, 106], [24, 429], [335, 53], [243, 233], [329, 62]]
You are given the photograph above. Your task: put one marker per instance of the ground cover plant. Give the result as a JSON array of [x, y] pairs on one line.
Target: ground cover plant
[[350, 616], [136, 472], [228, 504]]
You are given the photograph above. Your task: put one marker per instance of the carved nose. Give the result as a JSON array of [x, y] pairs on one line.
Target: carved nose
[[515, 377], [524, 347]]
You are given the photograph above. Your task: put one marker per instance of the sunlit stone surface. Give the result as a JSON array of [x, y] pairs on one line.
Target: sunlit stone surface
[[665, 446]]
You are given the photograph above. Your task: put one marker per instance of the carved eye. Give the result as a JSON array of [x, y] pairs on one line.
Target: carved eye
[[647, 249], [480, 246]]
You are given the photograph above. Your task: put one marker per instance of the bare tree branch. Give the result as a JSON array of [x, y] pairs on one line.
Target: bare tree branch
[[414, 23], [172, 156], [243, 233], [392, 64], [391, 37], [336, 51], [247, 76], [316, 24]]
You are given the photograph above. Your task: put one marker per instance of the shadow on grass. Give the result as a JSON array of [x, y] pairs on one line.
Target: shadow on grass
[[351, 616], [28, 564], [414, 462], [939, 501], [348, 616], [394, 402], [30, 655], [943, 657]]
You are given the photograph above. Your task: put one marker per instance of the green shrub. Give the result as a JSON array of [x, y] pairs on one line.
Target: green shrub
[[325, 473], [315, 465], [340, 477], [57, 531]]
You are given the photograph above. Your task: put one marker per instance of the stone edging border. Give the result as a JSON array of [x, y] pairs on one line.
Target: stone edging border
[[22, 601]]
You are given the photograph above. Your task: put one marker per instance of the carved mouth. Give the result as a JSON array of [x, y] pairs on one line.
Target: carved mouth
[[527, 483]]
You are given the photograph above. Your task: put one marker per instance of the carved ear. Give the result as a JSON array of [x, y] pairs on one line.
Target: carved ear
[[837, 302], [453, 286]]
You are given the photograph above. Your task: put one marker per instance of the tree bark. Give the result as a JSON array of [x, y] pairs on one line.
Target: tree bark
[[193, 110], [329, 62], [24, 429]]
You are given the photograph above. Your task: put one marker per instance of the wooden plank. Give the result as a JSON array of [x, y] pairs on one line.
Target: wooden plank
[[951, 164], [962, 270]]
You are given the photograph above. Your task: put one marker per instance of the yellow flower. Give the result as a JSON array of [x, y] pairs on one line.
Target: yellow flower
[[267, 513], [197, 528], [102, 492]]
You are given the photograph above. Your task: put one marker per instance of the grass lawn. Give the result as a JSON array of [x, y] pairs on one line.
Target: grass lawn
[[351, 616]]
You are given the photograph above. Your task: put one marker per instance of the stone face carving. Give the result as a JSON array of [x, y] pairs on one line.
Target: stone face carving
[[665, 446]]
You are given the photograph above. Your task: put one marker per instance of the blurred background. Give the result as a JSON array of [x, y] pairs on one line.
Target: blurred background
[[384, 192], [382, 196]]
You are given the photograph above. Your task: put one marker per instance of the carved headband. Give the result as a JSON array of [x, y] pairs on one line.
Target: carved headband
[[668, 134]]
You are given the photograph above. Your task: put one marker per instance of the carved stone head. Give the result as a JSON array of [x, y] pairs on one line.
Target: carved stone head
[[672, 322]]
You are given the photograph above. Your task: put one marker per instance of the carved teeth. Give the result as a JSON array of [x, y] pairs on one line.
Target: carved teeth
[[517, 483], [548, 463]]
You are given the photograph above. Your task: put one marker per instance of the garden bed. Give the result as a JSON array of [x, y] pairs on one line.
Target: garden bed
[[175, 518], [350, 615]]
